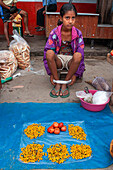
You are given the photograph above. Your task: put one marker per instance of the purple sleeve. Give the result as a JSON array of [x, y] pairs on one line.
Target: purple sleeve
[[80, 49]]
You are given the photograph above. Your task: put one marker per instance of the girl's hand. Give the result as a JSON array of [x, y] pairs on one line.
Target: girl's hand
[[51, 80], [73, 80]]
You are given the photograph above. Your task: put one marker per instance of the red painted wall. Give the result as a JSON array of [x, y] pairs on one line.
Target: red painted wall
[[32, 7]]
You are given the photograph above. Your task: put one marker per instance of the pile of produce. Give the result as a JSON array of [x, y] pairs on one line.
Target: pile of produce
[[80, 151], [32, 153], [76, 132], [56, 128], [56, 152], [35, 130]]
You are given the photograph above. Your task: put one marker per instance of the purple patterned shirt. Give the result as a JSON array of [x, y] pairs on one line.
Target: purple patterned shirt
[[54, 43]]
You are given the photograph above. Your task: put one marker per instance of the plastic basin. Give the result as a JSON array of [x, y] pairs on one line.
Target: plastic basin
[[93, 107]]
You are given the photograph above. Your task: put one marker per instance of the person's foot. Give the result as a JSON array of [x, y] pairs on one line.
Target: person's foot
[[55, 91], [40, 29], [64, 92], [28, 34], [8, 43], [37, 27]]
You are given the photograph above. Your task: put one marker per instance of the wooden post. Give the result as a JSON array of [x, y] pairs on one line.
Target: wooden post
[[46, 18], [46, 6], [70, 1], [0, 83], [111, 98]]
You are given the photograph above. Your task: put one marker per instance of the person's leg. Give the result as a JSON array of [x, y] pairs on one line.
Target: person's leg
[[73, 66], [6, 32], [53, 64], [40, 17], [25, 14], [52, 8], [6, 16]]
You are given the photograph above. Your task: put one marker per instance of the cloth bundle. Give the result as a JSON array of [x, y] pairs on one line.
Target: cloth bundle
[[8, 64]]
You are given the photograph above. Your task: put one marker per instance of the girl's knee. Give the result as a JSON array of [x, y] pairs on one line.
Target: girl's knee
[[50, 55], [77, 58]]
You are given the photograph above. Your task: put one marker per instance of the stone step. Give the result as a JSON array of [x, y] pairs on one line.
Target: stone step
[[37, 43]]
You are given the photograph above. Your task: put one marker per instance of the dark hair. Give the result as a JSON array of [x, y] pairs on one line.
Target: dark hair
[[65, 8], [13, 9]]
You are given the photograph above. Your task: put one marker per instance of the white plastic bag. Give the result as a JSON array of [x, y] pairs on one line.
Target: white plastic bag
[[21, 50], [101, 84], [86, 96], [81, 94], [101, 97]]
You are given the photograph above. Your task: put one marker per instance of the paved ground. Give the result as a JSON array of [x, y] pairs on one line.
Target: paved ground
[[35, 85]]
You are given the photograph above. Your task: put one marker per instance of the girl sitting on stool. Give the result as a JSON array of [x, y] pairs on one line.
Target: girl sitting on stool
[[64, 49]]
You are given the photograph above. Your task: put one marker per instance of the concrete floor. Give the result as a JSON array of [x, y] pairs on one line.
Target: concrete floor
[[35, 85]]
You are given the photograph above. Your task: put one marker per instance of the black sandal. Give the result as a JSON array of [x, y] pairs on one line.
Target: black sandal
[[40, 29]]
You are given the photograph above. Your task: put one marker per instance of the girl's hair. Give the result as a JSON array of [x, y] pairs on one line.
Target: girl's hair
[[65, 8]]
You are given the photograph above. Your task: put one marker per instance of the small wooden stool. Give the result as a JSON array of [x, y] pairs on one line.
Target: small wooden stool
[[62, 74]]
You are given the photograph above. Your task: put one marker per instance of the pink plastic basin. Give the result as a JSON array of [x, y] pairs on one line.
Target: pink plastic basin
[[93, 107]]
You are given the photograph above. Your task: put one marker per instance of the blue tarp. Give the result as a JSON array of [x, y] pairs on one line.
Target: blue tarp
[[98, 125]]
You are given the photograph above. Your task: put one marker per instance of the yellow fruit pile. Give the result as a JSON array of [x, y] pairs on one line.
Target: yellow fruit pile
[[80, 151], [76, 132], [35, 130], [32, 153], [58, 153]]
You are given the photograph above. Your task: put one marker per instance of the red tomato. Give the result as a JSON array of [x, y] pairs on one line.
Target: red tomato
[[61, 125], [111, 52], [63, 128], [55, 125], [56, 130], [50, 129]]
